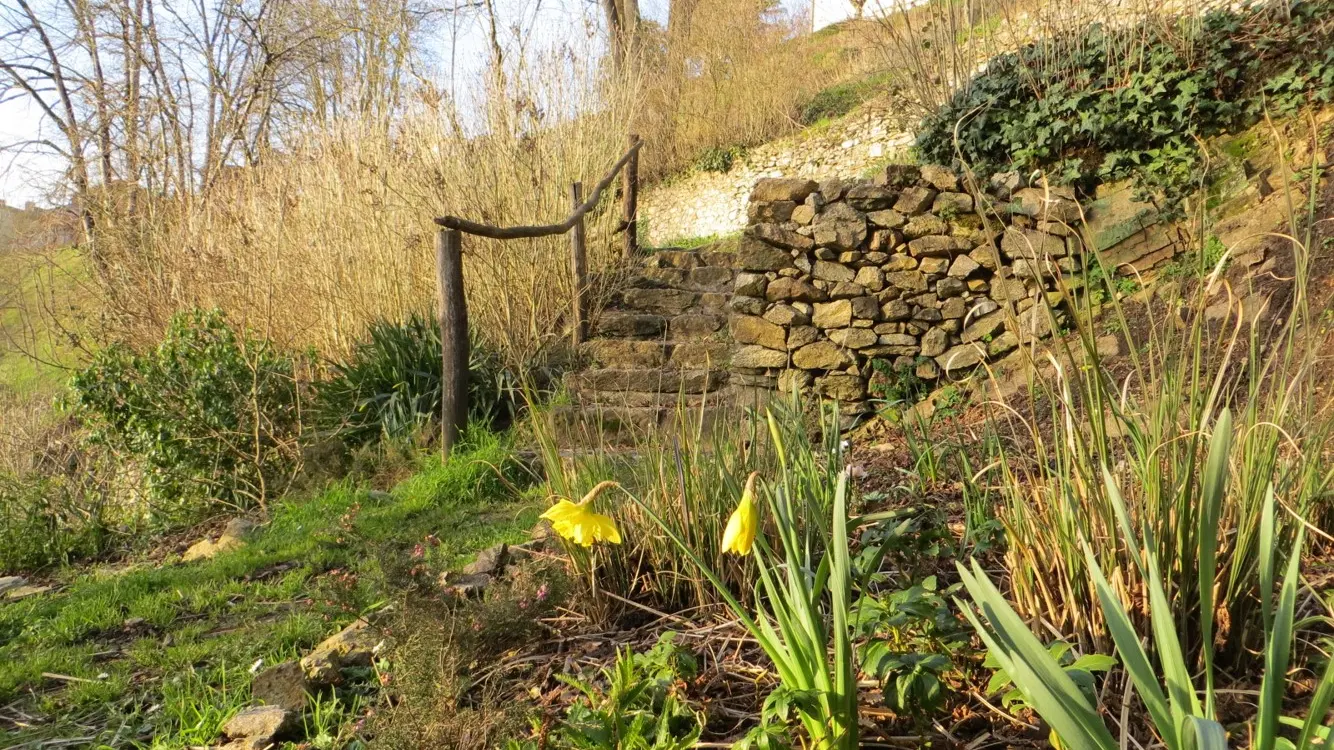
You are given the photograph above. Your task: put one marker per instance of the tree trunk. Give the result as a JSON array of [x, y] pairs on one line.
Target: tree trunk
[[615, 34]]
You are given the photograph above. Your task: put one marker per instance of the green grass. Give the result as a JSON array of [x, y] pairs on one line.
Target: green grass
[[319, 563], [40, 294], [841, 98], [695, 243]]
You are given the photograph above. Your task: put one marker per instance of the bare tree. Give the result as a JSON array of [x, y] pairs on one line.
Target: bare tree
[[165, 96], [37, 70]]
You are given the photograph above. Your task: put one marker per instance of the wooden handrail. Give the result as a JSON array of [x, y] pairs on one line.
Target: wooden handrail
[[544, 230]]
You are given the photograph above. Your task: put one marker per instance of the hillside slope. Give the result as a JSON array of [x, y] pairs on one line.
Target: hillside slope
[[707, 203]]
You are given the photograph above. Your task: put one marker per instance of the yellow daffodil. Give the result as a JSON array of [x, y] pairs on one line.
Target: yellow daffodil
[[578, 523], [739, 535]]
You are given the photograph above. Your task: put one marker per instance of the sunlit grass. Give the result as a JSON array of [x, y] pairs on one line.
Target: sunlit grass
[[43, 301], [204, 624]]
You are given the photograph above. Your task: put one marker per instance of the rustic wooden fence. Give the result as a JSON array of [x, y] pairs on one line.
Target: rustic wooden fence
[[454, 305]]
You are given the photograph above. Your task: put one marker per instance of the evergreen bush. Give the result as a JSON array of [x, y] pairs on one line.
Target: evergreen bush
[[1103, 104]]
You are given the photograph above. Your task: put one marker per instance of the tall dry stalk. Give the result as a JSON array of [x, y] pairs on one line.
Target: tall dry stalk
[[1149, 421], [312, 245]]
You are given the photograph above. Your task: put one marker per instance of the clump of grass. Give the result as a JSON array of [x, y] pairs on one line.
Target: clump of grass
[[1151, 422], [841, 98], [689, 477], [694, 243], [1180, 714], [389, 387], [1199, 263]]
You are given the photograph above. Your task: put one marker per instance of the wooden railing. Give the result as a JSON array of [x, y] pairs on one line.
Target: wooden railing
[[454, 305]]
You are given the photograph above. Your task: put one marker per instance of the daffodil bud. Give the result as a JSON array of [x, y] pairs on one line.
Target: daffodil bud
[[739, 536]]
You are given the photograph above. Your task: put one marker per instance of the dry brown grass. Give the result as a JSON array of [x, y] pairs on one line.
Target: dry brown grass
[[314, 244], [735, 77], [319, 240]]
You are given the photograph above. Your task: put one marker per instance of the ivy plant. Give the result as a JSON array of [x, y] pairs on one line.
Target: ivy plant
[[1102, 104]]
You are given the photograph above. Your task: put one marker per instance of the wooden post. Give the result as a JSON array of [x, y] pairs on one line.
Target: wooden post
[[453, 338], [630, 201], [579, 268]]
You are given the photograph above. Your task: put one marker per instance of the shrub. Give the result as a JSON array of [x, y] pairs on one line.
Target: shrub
[[1132, 102], [210, 414], [719, 158], [49, 520], [391, 384]]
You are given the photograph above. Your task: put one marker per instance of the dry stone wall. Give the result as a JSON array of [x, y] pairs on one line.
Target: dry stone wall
[[837, 288], [906, 267]]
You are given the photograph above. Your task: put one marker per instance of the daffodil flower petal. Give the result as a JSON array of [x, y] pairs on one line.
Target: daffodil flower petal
[[577, 523]]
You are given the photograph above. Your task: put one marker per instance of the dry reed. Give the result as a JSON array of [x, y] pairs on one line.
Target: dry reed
[[312, 245], [335, 231]]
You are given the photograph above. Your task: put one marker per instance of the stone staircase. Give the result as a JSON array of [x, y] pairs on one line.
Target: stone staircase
[[661, 343]]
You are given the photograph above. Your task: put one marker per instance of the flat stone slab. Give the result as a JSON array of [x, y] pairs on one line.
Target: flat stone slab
[[282, 685], [260, 726], [350, 647]]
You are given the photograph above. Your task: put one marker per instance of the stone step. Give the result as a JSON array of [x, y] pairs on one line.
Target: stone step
[[642, 326], [631, 353], [732, 396], [620, 426], [638, 400], [629, 325], [666, 301], [718, 254], [643, 380], [701, 279]]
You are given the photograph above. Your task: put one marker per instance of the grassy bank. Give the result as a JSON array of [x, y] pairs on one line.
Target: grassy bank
[[160, 652], [43, 297]]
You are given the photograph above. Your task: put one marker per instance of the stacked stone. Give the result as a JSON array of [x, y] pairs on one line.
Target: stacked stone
[[661, 343], [901, 267]]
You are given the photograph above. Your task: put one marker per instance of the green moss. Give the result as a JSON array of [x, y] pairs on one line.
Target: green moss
[[1241, 146]]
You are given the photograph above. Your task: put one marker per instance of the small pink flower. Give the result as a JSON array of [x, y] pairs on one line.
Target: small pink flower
[[542, 593]]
